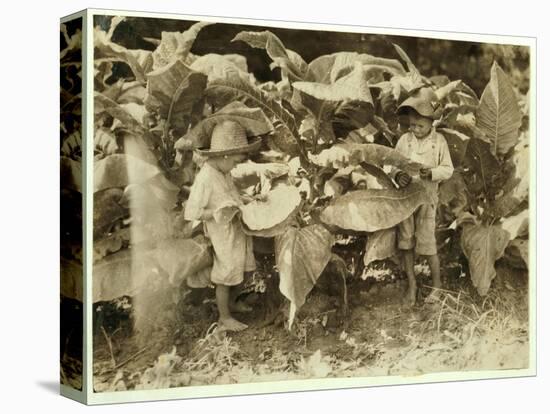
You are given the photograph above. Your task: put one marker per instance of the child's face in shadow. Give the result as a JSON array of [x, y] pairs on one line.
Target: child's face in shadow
[[227, 162], [419, 125]]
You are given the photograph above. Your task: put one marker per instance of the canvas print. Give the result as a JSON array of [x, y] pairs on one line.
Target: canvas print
[[273, 204], [71, 308]]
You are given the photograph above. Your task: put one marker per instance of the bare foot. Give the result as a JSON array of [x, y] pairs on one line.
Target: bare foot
[[410, 296], [231, 324], [240, 307]]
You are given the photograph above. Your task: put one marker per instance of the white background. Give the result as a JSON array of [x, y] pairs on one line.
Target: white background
[[30, 207]]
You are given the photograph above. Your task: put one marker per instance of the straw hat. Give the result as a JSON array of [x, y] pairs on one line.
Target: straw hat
[[229, 137], [425, 102]]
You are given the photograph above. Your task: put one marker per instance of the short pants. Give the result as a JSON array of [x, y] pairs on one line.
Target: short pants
[[418, 231]]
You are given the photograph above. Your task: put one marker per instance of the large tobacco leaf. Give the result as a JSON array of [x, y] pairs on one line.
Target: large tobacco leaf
[[176, 45], [351, 87], [498, 114], [328, 68], [483, 164], [516, 187], [483, 245], [291, 64], [139, 61], [263, 218], [457, 143], [301, 255], [176, 92], [380, 245], [373, 210], [344, 154]]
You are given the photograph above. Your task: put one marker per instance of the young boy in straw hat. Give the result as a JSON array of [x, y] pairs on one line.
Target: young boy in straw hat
[[214, 191], [424, 145]]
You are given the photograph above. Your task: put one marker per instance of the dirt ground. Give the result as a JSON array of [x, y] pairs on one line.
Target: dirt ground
[[377, 336]]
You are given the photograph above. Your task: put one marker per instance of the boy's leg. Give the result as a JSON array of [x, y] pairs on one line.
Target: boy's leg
[[226, 320], [236, 305], [408, 259], [406, 243], [433, 262], [435, 269]]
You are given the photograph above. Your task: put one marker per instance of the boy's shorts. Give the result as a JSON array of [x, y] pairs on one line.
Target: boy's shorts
[[418, 231]]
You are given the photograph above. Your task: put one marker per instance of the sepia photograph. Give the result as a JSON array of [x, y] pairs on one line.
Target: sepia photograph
[[276, 203]]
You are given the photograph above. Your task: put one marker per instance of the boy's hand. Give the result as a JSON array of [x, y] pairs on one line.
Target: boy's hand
[[426, 174], [403, 179]]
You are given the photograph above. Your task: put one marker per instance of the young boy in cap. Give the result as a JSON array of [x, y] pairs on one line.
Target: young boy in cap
[[214, 193], [424, 145]]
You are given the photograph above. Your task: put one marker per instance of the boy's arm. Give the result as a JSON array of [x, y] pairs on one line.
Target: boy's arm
[[445, 168], [399, 147]]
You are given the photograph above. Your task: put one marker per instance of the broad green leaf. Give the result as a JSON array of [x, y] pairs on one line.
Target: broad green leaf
[[342, 155], [262, 216], [176, 92], [301, 256], [373, 210], [483, 245], [380, 245], [112, 171], [290, 62], [176, 45], [457, 143], [253, 120], [499, 115]]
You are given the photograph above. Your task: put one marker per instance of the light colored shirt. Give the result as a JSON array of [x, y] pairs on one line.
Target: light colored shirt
[[233, 253], [431, 151]]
